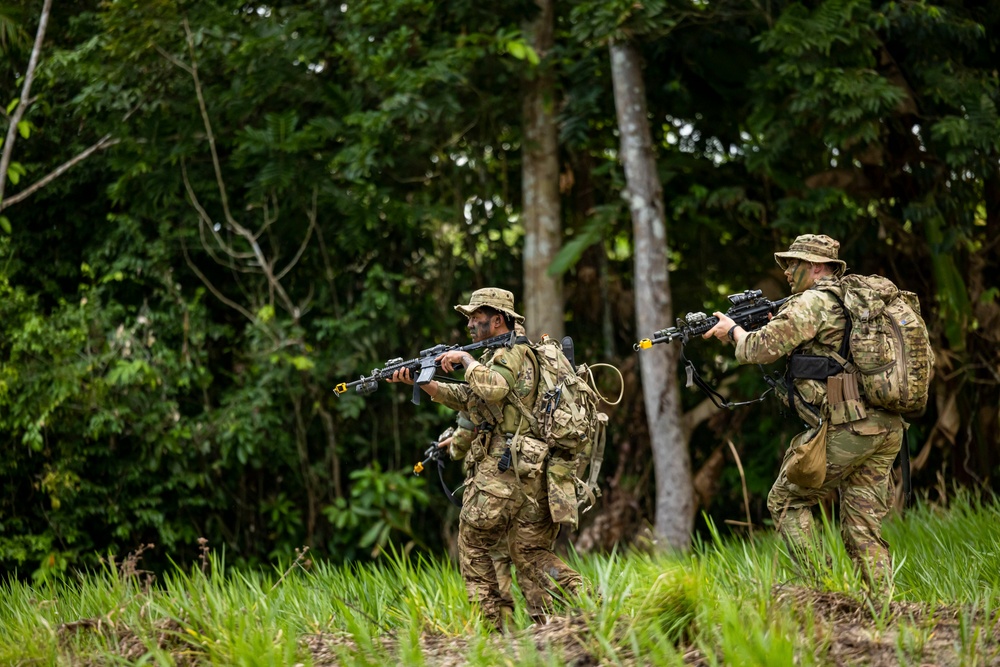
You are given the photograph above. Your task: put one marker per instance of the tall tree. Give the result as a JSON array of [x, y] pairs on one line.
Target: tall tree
[[661, 395], [540, 183]]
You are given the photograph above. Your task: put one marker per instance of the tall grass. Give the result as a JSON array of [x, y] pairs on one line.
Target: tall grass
[[718, 601]]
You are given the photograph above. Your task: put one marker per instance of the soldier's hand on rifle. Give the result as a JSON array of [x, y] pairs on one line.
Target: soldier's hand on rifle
[[401, 375], [453, 359], [723, 328], [444, 444]]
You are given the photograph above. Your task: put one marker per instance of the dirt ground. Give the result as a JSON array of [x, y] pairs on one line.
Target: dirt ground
[[847, 631], [858, 633]]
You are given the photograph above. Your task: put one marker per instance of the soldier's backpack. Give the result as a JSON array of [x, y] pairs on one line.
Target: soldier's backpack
[[888, 342], [566, 415]]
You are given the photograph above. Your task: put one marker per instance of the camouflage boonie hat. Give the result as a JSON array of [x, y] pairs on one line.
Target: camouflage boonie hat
[[815, 248], [494, 297]]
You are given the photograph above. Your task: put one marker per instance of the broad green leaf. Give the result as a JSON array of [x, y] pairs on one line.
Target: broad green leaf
[[302, 363], [24, 128], [517, 49]]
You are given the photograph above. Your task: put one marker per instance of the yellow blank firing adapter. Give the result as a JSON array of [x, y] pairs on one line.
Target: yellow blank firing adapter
[[644, 344], [418, 468], [340, 388]]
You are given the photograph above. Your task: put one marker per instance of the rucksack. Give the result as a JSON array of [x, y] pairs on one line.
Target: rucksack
[[566, 416], [888, 342]]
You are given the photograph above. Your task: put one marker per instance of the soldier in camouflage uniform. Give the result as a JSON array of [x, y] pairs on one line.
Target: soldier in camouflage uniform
[[859, 453], [458, 444], [501, 505]]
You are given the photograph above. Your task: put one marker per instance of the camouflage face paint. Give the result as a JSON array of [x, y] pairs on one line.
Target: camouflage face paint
[[479, 326], [799, 275]]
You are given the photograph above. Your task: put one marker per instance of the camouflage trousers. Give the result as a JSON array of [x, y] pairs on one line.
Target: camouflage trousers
[[859, 458], [499, 514]]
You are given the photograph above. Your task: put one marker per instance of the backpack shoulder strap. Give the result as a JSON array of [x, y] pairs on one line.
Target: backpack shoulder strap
[[842, 356], [516, 401]]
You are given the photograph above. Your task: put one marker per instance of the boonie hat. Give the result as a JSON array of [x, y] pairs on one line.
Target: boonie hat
[[816, 248], [494, 297]]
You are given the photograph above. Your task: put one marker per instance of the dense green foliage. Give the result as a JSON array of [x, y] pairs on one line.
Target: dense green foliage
[[732, 602], [300, 191]]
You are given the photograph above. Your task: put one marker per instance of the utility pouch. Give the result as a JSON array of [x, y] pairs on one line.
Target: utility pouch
[[844, 398], [531, 455], [812, 367], [562, 492], [806, 465]]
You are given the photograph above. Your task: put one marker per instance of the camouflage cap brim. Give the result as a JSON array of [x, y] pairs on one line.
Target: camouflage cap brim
[[782, 259], [492, 297]]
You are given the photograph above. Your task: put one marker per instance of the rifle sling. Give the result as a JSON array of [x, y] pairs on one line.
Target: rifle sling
[[694, 377], [449, 494]]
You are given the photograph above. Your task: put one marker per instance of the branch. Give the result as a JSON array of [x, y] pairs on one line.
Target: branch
[[311, 214], [205, 220], [172, 59], [105, 142], [208, 283], [242, 231], [24, 101], [268, 218]]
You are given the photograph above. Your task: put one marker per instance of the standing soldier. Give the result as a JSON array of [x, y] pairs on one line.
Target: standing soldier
[[458, 442], [859, 452], [506, 498]]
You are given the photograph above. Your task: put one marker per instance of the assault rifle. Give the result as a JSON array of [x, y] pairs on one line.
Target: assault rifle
[[423, 367], [750, 310], [438, 456]]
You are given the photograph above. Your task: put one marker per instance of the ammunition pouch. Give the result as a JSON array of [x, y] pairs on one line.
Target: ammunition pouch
[[844, 397], [812, 367], [531, 456]]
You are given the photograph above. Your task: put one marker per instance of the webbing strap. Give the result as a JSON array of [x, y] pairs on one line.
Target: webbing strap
[[452, 496], [694, 378], [596, 460]]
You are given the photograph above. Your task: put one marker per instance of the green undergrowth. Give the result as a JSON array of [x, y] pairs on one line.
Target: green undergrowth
[[735, 601]]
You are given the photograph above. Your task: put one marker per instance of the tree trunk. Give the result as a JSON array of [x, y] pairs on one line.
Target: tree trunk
[[543, 298], [661, 394]]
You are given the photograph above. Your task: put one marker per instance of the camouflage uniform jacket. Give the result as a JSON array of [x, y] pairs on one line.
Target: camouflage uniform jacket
[[489, 383], [810, 322]]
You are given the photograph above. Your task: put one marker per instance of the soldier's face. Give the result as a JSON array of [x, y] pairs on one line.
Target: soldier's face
[[799, 275], [481, 326]]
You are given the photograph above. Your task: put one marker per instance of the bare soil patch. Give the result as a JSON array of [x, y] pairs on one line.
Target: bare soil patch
[[859, 632]]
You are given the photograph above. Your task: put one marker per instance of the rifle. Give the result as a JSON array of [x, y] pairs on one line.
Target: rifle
[[439, 455], [750, 310], [423, 366]]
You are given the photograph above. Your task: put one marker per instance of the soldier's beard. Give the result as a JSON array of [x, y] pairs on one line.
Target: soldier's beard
[[479, 331]]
